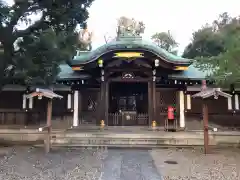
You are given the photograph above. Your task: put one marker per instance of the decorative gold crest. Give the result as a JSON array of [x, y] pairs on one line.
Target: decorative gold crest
[[181, 68], [129, 55]]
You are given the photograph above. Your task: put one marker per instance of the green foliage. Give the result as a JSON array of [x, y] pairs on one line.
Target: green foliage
[[205, 43], [39, 56], [216, 49], [166, 41], [44, 42]]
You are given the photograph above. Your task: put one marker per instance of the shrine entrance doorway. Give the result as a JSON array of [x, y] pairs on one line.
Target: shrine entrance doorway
[[128, 104]]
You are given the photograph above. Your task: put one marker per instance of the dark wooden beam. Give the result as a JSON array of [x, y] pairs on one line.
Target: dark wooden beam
[[49, 125], [136, 79], [154, 100], [150, 103], [106, 101], [142, 63], [205, 124], [130, 70], [116, 62], [102, 102]]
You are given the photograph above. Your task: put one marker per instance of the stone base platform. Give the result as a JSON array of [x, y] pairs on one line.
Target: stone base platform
[[118, 137]]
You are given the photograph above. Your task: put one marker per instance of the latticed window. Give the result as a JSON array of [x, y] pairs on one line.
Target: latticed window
[[89, 100], [166, 98], [127, 103]]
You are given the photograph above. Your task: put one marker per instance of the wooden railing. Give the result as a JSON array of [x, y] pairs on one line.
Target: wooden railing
[[224, 121], [119, 119], [19, 117]]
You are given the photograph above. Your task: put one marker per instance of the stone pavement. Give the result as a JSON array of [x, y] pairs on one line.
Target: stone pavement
[[129, 165]]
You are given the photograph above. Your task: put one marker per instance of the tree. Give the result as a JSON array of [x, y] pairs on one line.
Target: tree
[[60, 16], [209, 41], [166, 41], [218, 50], [205, 43], [38, 57]]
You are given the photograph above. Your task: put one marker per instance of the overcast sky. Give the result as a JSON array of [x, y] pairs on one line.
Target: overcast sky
[[181, 17]]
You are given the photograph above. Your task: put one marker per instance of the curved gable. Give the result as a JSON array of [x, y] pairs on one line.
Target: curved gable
[[126, 43]]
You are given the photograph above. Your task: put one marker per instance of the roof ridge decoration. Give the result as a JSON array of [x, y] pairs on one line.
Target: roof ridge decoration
[[85, 39], [129, 38], [126, 43], [129, 27]]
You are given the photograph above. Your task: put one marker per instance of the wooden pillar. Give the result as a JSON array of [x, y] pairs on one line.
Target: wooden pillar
[[49, 113], [188, 104], [101, 103], [69, 101], [205, 124], [30, 101], [49, 126], [181, 110], [24, 102], [236, 100], [106, 101], [229, 100], [75, 109], [154, 100], [80, 107], [150, 103]]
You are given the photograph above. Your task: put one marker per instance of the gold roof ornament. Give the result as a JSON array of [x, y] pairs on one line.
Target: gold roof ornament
[[181, 68], [130, 27], [85, 39], [129, 54]]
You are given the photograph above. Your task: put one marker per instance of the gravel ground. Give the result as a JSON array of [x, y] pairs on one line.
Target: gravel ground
[[25, 163], [192, 164]]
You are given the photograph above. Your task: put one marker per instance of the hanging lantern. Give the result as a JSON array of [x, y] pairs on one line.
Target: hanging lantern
[[156, 62], [102, 75], [39, 97], [100, 63], [154, 78], [154, 72], [102, 78]]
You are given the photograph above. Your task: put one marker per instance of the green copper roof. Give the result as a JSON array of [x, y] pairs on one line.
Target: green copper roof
[[66, 73], [192, 73], [126, 43]]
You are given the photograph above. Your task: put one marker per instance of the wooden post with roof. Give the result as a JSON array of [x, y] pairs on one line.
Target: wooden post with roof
[[204, 94], [50, 95]]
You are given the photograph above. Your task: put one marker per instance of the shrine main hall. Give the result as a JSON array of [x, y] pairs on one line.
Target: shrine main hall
[[126, 82]]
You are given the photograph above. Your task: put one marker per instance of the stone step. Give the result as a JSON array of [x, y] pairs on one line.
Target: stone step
[[129, 135], [126, 141], [118, 146]]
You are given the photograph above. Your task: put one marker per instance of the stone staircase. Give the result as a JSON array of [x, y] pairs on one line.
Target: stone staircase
[[123, 140], [114, 138]]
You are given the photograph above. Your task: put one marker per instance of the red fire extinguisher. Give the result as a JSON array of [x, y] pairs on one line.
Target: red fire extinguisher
[[170, 113]]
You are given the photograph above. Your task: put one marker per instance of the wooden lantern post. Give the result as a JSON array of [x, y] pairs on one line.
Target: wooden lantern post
[[50, 95], [204, 94], [205, 119], [49, 126], [205, 127]]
